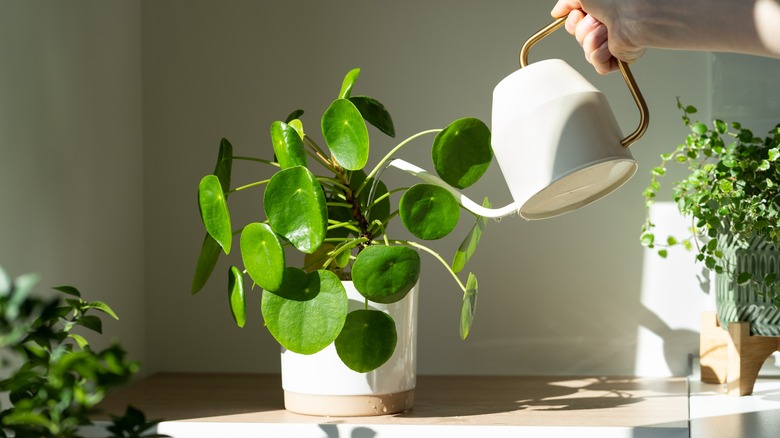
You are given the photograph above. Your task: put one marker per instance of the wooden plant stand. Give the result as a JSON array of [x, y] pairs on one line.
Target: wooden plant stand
[[732, 356]]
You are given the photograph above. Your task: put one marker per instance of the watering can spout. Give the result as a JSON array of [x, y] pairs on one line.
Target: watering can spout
[[468, 204]]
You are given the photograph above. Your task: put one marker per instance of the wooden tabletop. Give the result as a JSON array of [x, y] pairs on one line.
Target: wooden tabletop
[[655, 404]]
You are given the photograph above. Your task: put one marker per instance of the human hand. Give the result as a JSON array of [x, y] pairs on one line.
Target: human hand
[[598, 27]]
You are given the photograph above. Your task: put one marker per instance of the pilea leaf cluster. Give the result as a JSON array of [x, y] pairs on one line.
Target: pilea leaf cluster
[[323, 201], [732, 191]]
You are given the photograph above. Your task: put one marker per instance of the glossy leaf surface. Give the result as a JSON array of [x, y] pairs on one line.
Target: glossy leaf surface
[[346, 134], [348, 83], [236, 296], [367, 341], [288, 145], [207, 260], [429, 212], [263, 255], [214, 211], [385, 274], [469, 306], [462, 152], [294, 204], [374, 113], [307, 312], [469, 244]]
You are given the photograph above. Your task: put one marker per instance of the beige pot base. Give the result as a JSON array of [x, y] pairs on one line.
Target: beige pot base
[[349, 405]]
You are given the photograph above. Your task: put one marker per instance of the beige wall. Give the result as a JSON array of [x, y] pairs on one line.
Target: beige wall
[[71, 153]]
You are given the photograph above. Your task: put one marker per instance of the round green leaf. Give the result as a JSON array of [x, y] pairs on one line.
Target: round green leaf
[[214, 211], [469, 306], [295, 206], [462, 152], [367, 340], [429, 212], [346, 134], [374, 113], [307, 312], [237, 296], [288, 145], [385, 274], [263, 255]]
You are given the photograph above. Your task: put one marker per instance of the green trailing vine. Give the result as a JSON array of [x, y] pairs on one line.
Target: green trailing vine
[[732, 190]]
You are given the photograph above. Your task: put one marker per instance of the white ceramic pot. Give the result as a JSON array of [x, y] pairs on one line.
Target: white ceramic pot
[[320, 384]]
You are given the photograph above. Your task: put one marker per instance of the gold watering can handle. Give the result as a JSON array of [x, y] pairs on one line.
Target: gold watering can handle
[[644, 118]]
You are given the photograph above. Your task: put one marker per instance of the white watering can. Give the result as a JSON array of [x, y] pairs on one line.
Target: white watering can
[[555, 138]]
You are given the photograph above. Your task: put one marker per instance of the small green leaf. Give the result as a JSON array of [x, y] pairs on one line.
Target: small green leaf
[[462, 152], [298, 126], [429, 212], [80, 340], [374, 113], [469, 244], [69, 290], [367, 341], [348, 83], [214, 211], [770, 278], [469, 306], [699, 128], [263, 255], [293, 116], [773, 153], [726, 186], [663, 253], [648, 239], [671, 241], [224, 166], [288, 146], [721, 126], [91, 322], [207, 260], [103, 307], [346, 134], [385, 274], [295, 206], [307, 312], [237, 296], [744, 277]]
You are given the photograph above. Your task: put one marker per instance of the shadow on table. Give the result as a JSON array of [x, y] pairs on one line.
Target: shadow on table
[[488, 395]]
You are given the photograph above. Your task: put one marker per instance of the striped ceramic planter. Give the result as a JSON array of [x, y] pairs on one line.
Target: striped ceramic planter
[[736, 302]]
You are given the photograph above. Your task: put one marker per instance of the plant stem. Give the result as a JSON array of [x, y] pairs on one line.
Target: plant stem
[[258, 160], [390, 154], [333, 182], [434, 254], [238, 189]]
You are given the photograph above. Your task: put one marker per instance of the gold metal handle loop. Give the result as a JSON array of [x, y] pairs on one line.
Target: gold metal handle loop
[[644, 116]]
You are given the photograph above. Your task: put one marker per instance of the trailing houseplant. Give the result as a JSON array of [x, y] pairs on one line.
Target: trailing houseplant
[[732, 195], [326, 202], [52, 376]]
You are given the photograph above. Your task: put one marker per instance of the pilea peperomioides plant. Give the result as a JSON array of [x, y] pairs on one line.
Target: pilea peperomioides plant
[[322, 203]]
